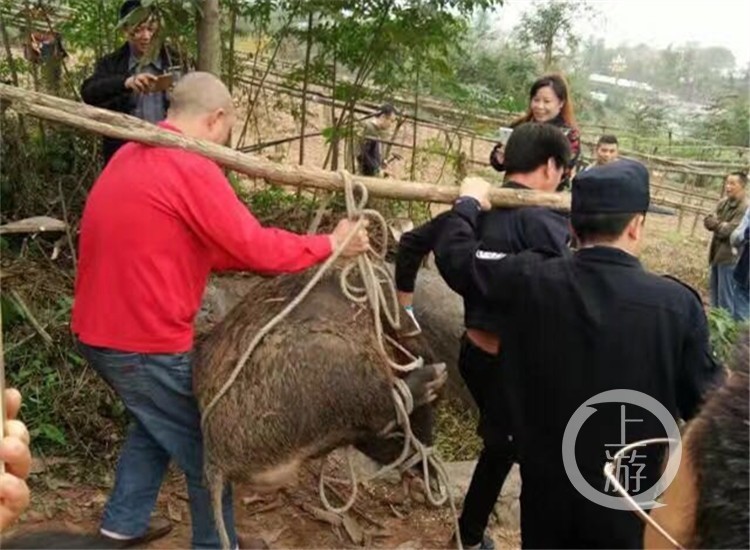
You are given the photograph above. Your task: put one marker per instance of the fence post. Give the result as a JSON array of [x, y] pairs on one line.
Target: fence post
[[682, 202]]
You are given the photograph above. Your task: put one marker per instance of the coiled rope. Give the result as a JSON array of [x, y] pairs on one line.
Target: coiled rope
[[376, 282]]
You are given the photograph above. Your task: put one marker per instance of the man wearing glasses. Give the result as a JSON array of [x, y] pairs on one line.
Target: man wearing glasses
[[133, 79], [574, 328]]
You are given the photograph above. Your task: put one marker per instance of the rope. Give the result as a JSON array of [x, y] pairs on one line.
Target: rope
[[375, 277], [419, 452], [376, 281]]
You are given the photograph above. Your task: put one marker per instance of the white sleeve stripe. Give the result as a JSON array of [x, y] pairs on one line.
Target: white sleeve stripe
[[490, 255]]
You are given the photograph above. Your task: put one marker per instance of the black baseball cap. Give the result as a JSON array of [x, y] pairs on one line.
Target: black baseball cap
[[619, 187], [128, 7]]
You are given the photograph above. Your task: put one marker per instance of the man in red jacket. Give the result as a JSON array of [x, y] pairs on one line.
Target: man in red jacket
[[157, 222]]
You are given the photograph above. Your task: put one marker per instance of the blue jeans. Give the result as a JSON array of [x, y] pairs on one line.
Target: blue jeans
[[740, 303], [157, 391], [726, 293]]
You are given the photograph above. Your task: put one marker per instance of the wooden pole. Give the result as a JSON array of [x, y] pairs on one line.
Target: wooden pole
[[129, 128], [415, 128]]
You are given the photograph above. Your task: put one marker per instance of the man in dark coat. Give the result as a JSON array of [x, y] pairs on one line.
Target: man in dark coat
[[126, 80], [577, 330]]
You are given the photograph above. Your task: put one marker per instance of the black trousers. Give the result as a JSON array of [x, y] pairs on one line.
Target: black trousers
[[481, 372], [555, 515]]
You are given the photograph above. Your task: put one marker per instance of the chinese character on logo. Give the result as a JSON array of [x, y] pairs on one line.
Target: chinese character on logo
[[630, 469]]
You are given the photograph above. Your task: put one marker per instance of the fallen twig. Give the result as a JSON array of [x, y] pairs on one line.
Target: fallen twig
[[68, 232], [322, 515], [355, 507], [30, 317]]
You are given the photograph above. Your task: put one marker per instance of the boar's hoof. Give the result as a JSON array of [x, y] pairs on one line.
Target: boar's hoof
[[425, 383]]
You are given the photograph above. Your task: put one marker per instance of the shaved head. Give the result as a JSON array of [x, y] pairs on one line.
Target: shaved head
[[201, 107], [199, 93]]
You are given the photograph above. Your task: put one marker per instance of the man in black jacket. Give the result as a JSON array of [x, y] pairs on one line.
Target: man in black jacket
[[123, 81], [535, 159], [573, 328]]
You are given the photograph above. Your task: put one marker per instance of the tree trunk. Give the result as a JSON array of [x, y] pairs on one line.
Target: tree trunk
[[209, 37], [129, 128], [8, 53], [231, 61], [304, 88], [548, 49]]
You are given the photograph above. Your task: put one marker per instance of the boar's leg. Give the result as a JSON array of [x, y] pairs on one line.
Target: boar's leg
[[424, 385], [215, 485], [385, 450]]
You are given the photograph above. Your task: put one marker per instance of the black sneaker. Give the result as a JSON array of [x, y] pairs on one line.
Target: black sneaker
[[486, 544]]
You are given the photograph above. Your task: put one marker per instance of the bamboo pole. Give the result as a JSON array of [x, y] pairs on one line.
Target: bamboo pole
[[415, 128], [129, 128]]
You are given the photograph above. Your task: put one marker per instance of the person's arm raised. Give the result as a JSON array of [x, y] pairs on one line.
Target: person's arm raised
[[467, 266]]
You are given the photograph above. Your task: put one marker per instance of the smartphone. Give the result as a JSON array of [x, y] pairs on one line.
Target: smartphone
[[163, 83], [505, 134]]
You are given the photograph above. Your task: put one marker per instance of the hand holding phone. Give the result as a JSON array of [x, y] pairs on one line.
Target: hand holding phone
[[162, 83]]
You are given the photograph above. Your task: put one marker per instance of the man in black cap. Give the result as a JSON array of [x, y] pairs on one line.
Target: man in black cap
[[128, 79], [573, 328]]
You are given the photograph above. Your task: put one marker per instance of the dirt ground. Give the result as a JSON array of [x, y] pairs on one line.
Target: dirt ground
[[385, 516], [674, 251]]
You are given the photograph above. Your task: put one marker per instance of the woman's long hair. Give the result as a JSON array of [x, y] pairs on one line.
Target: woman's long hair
[[560, 86]]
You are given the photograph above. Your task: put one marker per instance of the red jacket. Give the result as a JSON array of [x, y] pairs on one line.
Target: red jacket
[[156, 223]]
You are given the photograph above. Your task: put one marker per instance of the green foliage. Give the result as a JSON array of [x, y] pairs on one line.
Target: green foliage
[[66, 407], [270, 200], [503, 74], [550, 28], [724, 331], [12, 313], [385, 40], [727, 122], [37, 163], [40, 382], [91, 26], [646, 117]]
